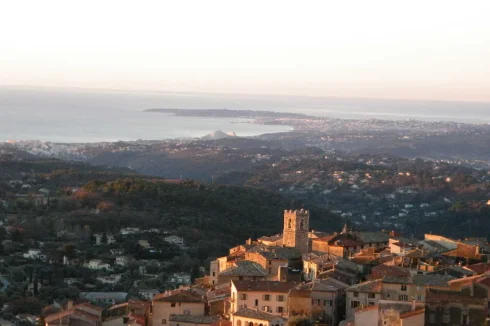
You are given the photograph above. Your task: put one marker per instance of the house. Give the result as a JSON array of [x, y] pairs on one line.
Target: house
[[148, 294], [123, 260], [97, 264], [112, 279], [176, 240], [242, 270], [218, 299], [190, 320], [347, 243], [180, 278], [104, 298], [366, 294], [248, 317], [144, 244], [454, 308], [99, 239], [178, 302], [82, 314], [267, 296], [391, 313], [320, 300], [33, 254], [272, 258], [129, 231]]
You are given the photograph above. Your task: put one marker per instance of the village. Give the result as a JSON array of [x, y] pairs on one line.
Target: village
[[296, 277]]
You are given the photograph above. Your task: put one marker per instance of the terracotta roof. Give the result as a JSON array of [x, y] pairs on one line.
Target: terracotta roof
[[256, 314], [464, 251], [384, 270], [194, 319], [366, 287], [480, 268], [264, 286], [219, 293], [439, 296], [181, 295]]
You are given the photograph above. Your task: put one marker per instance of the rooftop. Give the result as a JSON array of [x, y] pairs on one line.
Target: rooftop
[[264, 286], [180, 295], [256, 314], [244, 268], [366, 287]]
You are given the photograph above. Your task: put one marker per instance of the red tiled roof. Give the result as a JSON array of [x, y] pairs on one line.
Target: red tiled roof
[[480, 268], [178, 296]]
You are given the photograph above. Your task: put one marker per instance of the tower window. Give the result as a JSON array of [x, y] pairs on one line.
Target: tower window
[[301, 225], [289, 223]]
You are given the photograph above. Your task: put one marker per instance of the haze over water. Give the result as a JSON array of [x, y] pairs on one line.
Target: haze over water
[[65, 115]]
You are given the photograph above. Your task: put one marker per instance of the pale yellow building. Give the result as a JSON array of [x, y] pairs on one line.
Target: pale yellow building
[[255, 317], [178, 302], [265, 296]]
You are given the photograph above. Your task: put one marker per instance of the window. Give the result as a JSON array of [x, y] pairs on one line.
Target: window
[[164, 322], [404, 287], [464, 320], [256, 302], [238, 323], [420, 297], [371, 295], [270, 262], [280, 310], [172, 304], [270, 270], [280, 298], [267, 297], [354, 304], [315, 302], [289, 224], [243, 296], [327, 303], [356, 294], [403, 297], [266, 309], [214, 273], [445, 316]]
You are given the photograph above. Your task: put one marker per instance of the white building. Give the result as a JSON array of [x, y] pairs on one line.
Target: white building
[[265, 296], [180, 278], [148, 294], [176, 240], [97, 264], [111, 279], [33, 254], [128, 231]]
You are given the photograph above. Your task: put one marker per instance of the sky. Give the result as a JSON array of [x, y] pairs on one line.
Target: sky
[[436, 50]]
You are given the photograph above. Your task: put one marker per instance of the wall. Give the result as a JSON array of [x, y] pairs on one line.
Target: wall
[[362, 299], [253, 297], [162, 310]]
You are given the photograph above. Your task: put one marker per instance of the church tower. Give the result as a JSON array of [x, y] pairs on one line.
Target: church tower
[[296, 226]]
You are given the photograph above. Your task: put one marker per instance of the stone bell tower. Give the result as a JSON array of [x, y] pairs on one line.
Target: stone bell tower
[[296, 225]]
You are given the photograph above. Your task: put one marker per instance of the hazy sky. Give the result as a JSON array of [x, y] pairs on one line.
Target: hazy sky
[[368, 48]]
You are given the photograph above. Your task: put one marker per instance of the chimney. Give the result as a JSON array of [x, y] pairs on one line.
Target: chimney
[[69, 305], [477, 249]]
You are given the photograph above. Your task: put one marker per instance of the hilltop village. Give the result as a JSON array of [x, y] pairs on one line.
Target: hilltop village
[[299, 276]]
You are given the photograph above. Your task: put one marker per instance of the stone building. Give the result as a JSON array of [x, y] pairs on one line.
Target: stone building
[[295, 233]]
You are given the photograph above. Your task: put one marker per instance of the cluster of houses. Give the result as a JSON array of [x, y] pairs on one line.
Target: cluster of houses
[[300, 275]]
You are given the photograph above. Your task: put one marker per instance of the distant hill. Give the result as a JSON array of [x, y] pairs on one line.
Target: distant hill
[[225, 113], [218, 134]]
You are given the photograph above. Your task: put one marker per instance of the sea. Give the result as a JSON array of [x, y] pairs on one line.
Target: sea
[[83, 115]]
